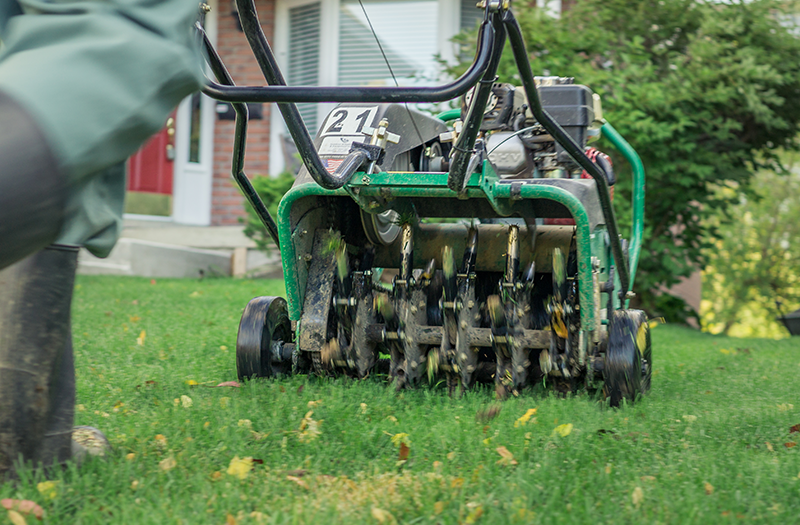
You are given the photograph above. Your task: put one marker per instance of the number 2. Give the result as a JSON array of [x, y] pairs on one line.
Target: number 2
[[336, 127]]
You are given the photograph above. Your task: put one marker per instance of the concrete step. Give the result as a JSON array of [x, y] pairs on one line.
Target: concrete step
[[155, 259]]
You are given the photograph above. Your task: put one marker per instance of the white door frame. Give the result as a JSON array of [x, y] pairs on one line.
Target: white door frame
[[192, 182]]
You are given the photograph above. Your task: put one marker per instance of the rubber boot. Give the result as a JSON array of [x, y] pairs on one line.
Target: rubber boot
[[32, 190], [37, 379]]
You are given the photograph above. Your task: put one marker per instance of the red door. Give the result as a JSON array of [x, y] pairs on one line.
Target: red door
[[150, 168]]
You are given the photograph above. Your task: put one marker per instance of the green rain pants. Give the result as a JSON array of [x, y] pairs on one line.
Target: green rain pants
[[99, 77]]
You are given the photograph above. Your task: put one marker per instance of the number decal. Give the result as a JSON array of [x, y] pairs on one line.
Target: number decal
[[336, 127], [349, 121], [362, 120]]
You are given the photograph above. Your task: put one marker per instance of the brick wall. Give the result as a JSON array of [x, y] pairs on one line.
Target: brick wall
[[226, 200]]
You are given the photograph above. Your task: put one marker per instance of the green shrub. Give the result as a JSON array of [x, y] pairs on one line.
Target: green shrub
[[271, 190]]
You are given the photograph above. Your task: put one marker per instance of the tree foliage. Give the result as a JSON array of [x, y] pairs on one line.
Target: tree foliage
[[706, 92], [756, 259]]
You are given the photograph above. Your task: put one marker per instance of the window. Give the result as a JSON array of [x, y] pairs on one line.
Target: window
[[304, 40], [408, 33]]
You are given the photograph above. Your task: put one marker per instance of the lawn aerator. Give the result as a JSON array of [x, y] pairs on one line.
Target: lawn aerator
[[483, 250]]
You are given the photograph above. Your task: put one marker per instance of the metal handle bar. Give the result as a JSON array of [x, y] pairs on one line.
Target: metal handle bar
[[240, 134], [278, 92]]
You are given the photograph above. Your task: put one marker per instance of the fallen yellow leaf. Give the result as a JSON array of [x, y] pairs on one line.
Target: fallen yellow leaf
[[186, 401], [240, 467], [398, 439], [637, 496], [523, 420], [709, 488], [438, 507], [140, 339], [167, 464], [563, 430], [451, 456], [16, 518], [130, 456], [192, 382], [246, 423], [48, 489], [314, 404], [382, 516], [309, 428], [608, 469]]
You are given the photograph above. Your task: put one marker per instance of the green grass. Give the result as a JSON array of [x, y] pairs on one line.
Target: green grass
[[716, 416]]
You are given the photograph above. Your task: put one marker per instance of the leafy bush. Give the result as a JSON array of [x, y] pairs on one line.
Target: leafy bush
[[271, 190]]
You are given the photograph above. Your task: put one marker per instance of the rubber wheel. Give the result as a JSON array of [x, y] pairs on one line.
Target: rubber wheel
[[627, 369], [265, 320]]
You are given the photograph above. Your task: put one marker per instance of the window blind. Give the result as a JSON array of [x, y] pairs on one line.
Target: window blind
[[304, 42], [408, 32]]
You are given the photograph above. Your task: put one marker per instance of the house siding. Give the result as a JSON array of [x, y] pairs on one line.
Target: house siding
[[226, 200]]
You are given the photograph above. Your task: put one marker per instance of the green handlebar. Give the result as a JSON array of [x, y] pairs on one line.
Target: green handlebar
[[638, 194]]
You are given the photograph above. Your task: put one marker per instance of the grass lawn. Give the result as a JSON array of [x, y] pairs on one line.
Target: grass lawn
[[708, 445]]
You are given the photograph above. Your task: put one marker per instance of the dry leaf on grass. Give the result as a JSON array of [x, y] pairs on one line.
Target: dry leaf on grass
[[790, 444], [794, 428], [404, 452], [563, 430], [167, 464], [506, 457], [141, 338], [523, 420], [709, 488], [240, 467], [309, 428], [297, 480], [23, 506], [16, 518], [382, 516], [48, 489], [637, 496], [186, 401]]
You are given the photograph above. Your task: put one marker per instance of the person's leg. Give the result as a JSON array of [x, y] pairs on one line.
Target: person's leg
[[32, 188], [37, 386]]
